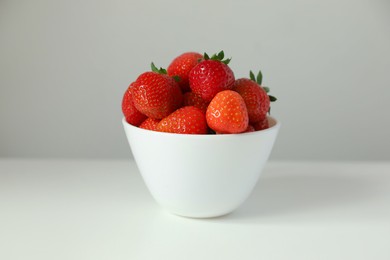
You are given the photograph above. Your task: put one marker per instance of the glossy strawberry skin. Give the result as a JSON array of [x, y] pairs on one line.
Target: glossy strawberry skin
[[185, 120], [210, 77], [149, 124], [227, 113], [255, 97], [181, 67], [261, 125], [156, 95], [249, 129], [192, 99], [132, 115]]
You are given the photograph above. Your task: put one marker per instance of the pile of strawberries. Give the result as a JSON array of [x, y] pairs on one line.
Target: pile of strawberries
[[197, 94]]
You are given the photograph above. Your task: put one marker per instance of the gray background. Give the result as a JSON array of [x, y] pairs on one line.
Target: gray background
[[64, 66]]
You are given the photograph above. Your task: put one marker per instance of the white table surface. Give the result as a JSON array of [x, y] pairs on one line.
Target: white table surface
[[73, 209]]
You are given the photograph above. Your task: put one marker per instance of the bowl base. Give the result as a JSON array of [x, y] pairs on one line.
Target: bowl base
[[205, 216]]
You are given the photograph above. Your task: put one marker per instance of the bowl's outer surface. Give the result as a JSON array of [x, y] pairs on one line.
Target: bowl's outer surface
[[200, 175]]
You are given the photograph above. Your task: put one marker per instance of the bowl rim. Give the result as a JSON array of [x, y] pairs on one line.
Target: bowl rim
[[146, 131]]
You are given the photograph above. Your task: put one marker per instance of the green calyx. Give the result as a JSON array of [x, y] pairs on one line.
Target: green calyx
[[163, 71], [217, 56], [259, 79], [158, 70], [176, 78], [272, 98]]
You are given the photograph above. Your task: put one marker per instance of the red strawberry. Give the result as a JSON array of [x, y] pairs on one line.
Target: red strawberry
[[132, 115], [186, 120], [227, 113], [256, 99], [255, 96], [261, 125], [211, 76], [156, 95], [181, 67], [150, 124], [192, 99], [249, 129]]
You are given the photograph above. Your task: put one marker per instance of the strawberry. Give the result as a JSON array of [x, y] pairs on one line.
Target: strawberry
[[261, 125], [227, 113], [181, 67], [192, 99], [256, 98], [132, 115], [211, 76], [186, 120], [150, 124], [249, 129], [156, 95]]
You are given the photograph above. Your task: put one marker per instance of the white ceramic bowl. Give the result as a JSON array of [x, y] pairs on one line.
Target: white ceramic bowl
[[201, 176]]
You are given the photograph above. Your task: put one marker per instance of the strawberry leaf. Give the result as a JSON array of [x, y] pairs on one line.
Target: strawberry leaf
[[226, 61], [154, 68], [266, 89], [252, 76], [259, 78], [272, 98], [219, 57], [176, 78], [160, 70]]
